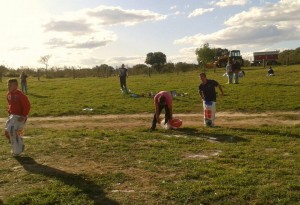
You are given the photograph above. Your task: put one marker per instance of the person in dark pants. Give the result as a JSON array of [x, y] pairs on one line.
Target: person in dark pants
[[123, 74], [270, 71], [236, 68], [23, 79], [162, 100]]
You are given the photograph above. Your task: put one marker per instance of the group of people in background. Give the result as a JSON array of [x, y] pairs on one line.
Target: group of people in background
[[207, 91], [19, 105], [232, 70]]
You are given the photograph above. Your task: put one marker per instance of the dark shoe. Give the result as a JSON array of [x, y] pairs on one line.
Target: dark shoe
[[152, 129]]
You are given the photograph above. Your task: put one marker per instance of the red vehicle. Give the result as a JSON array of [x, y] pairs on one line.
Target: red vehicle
[[267, 57]]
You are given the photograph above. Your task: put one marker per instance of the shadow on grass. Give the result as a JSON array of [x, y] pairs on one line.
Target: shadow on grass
[[266, 132], [207, 134], [277, 84], [37, 96], [92, 190]]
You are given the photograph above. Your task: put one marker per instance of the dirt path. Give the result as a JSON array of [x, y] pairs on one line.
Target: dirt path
[[225, 119]]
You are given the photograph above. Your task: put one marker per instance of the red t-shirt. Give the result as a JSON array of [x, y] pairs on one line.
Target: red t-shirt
[[168, 100], [18, 103]]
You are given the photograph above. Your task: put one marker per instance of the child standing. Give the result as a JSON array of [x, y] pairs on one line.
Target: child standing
[[18, 110]]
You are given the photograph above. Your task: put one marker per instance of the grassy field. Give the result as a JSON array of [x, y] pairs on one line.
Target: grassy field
[[250, 164], [187, 166], [256, 92]]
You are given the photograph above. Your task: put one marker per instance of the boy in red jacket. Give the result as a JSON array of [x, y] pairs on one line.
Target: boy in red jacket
[[18, 110]]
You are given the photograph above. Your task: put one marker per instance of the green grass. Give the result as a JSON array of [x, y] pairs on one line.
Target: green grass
[[240, 166], [255, 93], [194, 165]]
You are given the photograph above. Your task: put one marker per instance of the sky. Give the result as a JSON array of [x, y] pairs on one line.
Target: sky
[[86, 33]]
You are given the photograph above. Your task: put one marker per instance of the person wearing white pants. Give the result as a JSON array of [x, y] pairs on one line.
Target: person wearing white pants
[[13, 129], [209, 111], [208, 95], [18, 109]]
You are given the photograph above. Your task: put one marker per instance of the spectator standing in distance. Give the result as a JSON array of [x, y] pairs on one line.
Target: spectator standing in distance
[[229, 71], [23, 79], [123, 74], [236, 67], [18, 110], [208, 95], [162, 100]]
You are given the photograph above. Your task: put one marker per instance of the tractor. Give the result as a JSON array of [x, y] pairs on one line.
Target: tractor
[[221, 62]]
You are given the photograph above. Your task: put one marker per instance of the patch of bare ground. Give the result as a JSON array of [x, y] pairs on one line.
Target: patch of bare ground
[[129, 121]]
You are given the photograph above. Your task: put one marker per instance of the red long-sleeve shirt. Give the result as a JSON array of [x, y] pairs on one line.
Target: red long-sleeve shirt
[[18, 103]]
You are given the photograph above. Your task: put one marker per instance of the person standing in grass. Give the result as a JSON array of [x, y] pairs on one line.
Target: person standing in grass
[[23, 79], [236, 68], [162, 100], [229, 71], [18, 110], [208, 95], [123, 74]]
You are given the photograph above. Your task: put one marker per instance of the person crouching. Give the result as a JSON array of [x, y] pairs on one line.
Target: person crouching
[[162, 100]]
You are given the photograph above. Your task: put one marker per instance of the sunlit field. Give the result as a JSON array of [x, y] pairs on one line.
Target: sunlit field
[[247, 163], [255, 93]]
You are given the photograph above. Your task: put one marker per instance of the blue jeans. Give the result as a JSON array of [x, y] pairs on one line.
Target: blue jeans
[[24, 87]]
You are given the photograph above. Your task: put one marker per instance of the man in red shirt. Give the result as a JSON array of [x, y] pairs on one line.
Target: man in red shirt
[[18, 110], [162, 100]]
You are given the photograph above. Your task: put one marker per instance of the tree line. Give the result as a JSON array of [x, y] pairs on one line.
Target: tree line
[[289, 57], [206, 55], [155, 63], [101, 71]]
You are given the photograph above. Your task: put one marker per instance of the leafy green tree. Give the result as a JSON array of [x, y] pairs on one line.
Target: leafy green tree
[[205, 55], [156, 60], [219, 52], [183, 67], [104, 70], [168, 68], [138, 69], [3, 69]]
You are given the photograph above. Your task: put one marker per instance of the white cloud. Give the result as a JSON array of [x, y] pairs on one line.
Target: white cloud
[[89, 41], [199, 12], [114, 61], [173, 7], [186, 55], [84, 28], [225, 3], [74, 27], [18, 48], [107, 15], [89, 44], [177, 13], [287, 11], [257, 27], [241, 35]]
